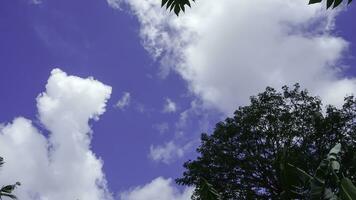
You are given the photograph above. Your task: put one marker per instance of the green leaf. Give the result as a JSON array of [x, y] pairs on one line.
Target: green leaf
[[163, 2], [172, 6], [317, 188], [1, 161], [301, 174], [348, 189], [294, 181], [8, 188], [335, 165], [7, 195], [329, 3], [314, 1], [329, 195], [208, 192], [326, 166], [335, 150], [176, 5], [170, 3], [336, 3], [182, 7], [188, 3], [176, 9]]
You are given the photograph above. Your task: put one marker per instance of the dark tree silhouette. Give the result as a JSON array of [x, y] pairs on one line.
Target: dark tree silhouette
[[179, 5], [241, 159]]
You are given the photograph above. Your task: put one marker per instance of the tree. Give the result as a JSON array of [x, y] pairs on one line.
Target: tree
[[242, 157], [6, 191], [179, 5]]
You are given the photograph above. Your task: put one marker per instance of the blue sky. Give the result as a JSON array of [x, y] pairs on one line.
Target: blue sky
[[179, 76]]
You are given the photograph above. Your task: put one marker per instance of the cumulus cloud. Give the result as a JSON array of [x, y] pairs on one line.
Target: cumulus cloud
[[229, 50], [170, 106], [60, 166], [158, 189], [124, 101]]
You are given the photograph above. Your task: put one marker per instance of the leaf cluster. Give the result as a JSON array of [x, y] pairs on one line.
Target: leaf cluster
[[176, 5], [179, 5], [327, 183], [330, 3]]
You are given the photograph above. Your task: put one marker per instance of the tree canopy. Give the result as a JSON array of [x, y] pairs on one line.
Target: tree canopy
[[179, 5], [241, 158]]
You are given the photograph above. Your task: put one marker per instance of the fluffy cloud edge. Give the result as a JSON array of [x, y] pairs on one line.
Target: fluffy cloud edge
[[61, 166], [158, 189]]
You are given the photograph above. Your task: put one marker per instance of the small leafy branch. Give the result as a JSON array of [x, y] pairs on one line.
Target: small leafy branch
[[327, 183], [176, 5], [330, 3], [179, 5], [6, 191]]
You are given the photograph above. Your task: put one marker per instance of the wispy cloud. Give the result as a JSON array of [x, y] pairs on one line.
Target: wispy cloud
[[114, 3], [36, 2], [169, 106], [124, 101], [161, 127], [168, 152]]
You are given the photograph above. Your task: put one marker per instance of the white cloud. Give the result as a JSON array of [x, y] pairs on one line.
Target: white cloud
[[114, 3], [198, 115], [124, 101], [167, 153], [229, 50], [170, 106], [158, 189], [61, 166]]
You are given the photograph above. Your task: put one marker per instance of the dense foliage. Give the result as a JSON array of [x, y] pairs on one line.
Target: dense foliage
[[242, 158], [179, 5], [327, 183]]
